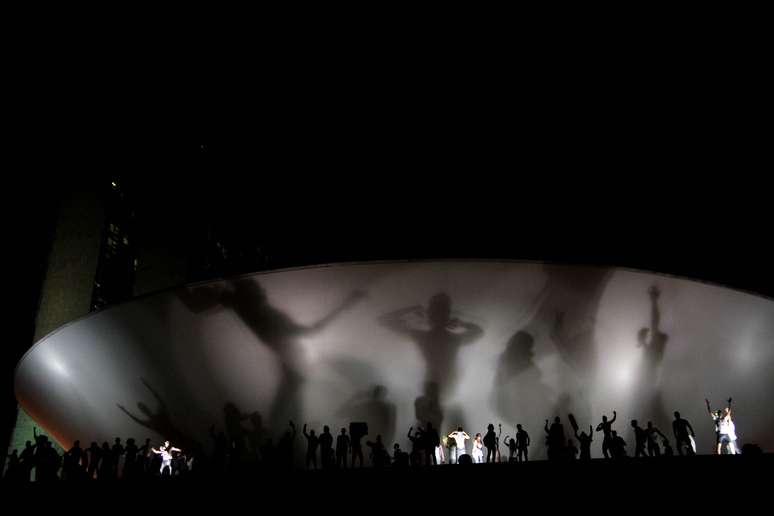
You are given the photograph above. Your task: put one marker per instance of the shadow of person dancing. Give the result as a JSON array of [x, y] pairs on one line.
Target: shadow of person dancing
[[275, 329], [653, 342], [373, 406], [519, 391], [439, 337], [159, 421]]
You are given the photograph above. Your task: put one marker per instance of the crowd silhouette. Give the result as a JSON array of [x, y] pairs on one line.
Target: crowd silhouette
[[236, 451]]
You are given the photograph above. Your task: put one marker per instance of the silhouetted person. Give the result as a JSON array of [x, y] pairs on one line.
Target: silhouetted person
[[522, 443], [255, 436], [143, 457], [640, 439], [95, 453], [47, 461], [513, 449], [356, 432], [268, 454], [606, 428], [159, 421], [117, 450], [716, 416], [379, 456], [12, 466], [235, 432], [430, 441], [400, 459], [617, 446], [106, 462], [683, 435], [438, 337], [585, 443], [312, 442], [572, 450], [73, 459], [555, 439], [416, 447], [653, 433], [490, 441], [285, 446], [667, 448], [326, 448], [342, 447], [27, 461], [130, 459]]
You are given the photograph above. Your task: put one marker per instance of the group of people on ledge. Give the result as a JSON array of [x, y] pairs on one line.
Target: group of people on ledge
[[428, 447]]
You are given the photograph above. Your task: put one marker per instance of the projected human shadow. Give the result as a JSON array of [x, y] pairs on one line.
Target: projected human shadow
[[373, 407], [276, 330], [564, 315], [519, 393], [438, 336], [427, 407], [159, 420], [653, 342]]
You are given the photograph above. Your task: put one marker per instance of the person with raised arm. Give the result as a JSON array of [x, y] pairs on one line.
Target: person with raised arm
[[459, 436], [607, 440], [585, 443], [165, 451]]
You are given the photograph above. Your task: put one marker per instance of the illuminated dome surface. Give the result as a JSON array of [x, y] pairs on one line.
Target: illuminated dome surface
[[457, 343]]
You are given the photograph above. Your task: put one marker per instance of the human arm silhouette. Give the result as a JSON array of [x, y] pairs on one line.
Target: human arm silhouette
[[709, 409], [546, 427], [655, 314], [471, 332], [614, 416], [396, 320], [353, 298], [134, 418], [156, 395], [303, 430]]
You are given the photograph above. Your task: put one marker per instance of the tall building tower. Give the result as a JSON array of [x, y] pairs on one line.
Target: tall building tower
[[91, 264]]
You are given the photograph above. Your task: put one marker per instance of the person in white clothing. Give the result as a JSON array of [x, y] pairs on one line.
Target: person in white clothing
[[478, 450], [725, 430], [728, 431], [459, 437], [165, 451]]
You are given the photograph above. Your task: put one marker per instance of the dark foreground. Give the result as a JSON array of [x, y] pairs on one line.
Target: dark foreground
[[663, 485]]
